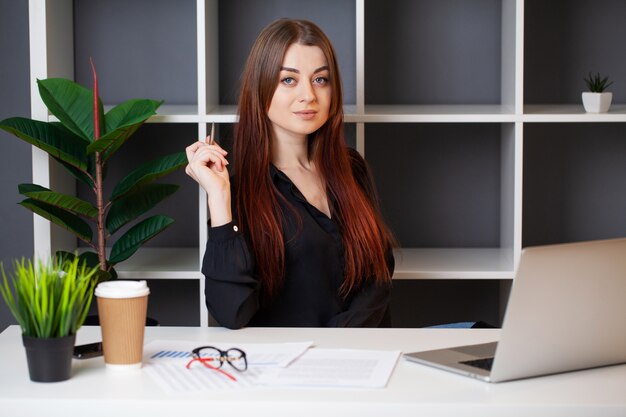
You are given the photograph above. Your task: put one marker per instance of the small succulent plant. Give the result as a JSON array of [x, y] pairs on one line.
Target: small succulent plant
[[596, 83]]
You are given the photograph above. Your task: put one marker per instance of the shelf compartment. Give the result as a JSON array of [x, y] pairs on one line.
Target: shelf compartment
[[565, 40], [241, 21], [574, 178], [467, 66], [150, 57], [452, 188], [439, 184]]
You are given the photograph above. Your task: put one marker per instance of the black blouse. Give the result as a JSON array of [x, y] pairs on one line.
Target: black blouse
[[314, 267]]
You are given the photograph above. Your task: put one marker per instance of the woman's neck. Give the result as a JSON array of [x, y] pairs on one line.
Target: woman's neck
[[290, 152]]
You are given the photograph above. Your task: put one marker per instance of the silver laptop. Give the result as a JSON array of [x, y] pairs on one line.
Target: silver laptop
[[566, 311]]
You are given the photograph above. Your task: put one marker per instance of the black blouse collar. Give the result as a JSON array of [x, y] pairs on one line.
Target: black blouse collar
[[277, 174]]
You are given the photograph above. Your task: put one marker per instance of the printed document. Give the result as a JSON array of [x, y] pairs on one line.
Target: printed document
[[165, 361], [272, 364], [335, 368]]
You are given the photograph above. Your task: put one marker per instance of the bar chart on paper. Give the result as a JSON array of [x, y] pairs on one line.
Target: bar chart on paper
[[258, 354], [175, 378], [173, 354], [167, 364]]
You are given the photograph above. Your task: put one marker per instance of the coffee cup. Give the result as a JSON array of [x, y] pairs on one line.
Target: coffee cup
[[122, 307]]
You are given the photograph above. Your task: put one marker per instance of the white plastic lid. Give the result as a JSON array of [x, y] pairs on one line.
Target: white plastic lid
[[122, 289]]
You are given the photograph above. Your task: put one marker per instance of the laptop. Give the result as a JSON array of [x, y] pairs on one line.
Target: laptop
[[566, 311]]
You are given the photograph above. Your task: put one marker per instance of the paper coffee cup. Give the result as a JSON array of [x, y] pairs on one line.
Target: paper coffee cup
[[122, 307]]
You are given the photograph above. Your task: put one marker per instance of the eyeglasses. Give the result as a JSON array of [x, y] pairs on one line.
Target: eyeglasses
[[234, 357]]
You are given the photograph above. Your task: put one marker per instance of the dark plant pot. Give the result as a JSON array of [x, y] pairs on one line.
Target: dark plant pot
[[49, 360]]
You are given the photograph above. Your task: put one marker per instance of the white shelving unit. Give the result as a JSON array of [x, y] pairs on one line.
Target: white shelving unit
[[51, 38]]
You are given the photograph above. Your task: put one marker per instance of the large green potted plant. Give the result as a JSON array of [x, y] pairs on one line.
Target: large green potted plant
[[50, 301], [83, 141]]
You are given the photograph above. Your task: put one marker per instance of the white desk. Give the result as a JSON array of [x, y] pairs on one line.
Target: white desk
[[413, 390]]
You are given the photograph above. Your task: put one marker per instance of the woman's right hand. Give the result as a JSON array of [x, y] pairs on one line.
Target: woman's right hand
[[207, 166]]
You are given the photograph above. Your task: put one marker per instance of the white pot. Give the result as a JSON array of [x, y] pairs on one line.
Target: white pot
[[597, 102]]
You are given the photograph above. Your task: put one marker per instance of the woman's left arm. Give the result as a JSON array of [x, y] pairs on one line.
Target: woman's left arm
[[369, 305], [368, 308]]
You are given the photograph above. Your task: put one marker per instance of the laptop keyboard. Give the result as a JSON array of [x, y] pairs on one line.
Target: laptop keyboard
[[484, 363]]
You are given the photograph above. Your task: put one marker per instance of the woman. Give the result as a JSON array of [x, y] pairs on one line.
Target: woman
[[296, 238]]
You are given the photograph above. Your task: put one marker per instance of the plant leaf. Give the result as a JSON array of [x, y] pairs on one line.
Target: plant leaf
[[86, 176], [130, 113], [135, 204], [60, 217], [77, 173], [59, 143], [121, 122], [137, 236], [148, 172], [91, 260], [111, 142], [63, 201], [71, 103], [10, 299]]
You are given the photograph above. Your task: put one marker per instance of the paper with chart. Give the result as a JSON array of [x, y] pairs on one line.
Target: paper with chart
[[335, 368], [165, 361], [275, 364], [258, 354]]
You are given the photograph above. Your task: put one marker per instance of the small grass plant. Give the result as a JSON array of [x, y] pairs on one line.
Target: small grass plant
[[596, 83], [49, 299]]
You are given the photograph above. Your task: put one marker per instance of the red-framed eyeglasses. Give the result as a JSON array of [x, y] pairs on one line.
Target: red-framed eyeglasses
[[213, 358]]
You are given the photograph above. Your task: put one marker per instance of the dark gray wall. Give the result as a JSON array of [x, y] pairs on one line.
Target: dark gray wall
[[16, 226]]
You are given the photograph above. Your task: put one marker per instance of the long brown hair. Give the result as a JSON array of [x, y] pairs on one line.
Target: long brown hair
[[366, 239]]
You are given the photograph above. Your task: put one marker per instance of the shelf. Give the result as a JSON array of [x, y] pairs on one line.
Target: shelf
[[435, 94], [221, 114], [173, 113], [429, 263], [161, 263], [435, 114], [411, 263], [533, 113], [561, 113], [176, 113], [228, 114]]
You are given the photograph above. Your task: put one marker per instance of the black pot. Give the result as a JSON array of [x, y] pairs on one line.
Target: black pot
[[49, 360]]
